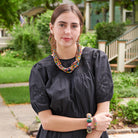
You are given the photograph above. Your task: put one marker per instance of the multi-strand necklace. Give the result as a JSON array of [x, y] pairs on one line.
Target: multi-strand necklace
[[74, 65]]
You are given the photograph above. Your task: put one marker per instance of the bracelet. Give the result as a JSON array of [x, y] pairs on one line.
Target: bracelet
[[89, 123], [95, 122]]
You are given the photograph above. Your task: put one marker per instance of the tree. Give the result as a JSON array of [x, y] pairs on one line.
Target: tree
[[8, 13], [48, 4], [129, 5], [11, 9], [77, 1]]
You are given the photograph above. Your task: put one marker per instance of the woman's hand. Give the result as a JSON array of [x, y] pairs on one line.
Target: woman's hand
[[103, 121]]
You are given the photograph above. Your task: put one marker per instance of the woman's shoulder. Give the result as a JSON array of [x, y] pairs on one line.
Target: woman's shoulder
[[93, 52], [44, 63]]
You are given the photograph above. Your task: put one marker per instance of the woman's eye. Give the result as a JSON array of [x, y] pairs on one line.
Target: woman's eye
[[74, 26], [61, 25]]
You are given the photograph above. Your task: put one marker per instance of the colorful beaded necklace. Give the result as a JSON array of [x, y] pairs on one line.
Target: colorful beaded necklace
[[74, 65]]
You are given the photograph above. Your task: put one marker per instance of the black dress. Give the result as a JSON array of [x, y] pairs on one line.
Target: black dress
[[71, 94]]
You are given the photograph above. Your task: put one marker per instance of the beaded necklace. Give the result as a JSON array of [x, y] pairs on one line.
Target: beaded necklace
[[74, 65]]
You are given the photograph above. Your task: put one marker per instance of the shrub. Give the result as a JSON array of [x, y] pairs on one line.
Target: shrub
[[125, 84], [130, 112], [43, 27], [26, 39], [114, 102], [127, 92], [17, 37], [88, 40], [109, 31]]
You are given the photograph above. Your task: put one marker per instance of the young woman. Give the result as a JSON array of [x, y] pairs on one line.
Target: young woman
[[71, 82]]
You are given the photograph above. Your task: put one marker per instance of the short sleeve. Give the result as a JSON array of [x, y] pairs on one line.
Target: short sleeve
[[38, 95], [103, 77]]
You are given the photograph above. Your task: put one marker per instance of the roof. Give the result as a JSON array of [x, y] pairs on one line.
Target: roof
[[34, 11], [100, 0]]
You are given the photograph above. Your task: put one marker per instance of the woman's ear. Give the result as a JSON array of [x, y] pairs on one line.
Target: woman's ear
[[51, 28]]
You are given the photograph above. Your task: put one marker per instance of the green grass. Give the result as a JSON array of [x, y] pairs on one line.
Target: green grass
[[15, 95], [8, 59], [13, 68], [14, 74], [11, 58]]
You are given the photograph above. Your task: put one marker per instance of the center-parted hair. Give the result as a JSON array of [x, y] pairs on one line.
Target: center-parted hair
[[62, 9], [66, 8]]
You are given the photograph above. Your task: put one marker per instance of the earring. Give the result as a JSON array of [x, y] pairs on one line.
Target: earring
[[50, 37], [77, 42]]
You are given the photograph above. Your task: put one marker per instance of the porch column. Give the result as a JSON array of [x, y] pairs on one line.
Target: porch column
[[111, 10], [101, 45], [121, 56], [87, 16], [0, 32]]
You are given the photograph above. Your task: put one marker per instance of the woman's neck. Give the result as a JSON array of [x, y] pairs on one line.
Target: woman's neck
[[66, 52]]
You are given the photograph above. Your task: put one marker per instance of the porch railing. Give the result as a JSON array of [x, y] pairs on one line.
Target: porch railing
[[111, 49], [131, 51], [125, 48]]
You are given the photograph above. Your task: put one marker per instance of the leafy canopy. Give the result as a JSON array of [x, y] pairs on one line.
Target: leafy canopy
[[11, 9]]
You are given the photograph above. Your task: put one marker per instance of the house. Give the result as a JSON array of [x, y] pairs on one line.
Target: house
[[114, 13], [123, 51]]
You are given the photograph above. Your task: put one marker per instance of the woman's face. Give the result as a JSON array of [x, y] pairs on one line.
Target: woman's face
[[66, 29]]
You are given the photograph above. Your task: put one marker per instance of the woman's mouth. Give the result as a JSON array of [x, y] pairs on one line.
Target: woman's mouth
[[66, 39]]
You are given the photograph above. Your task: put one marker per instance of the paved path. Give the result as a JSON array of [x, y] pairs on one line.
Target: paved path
[[14, 84], [8, 122]]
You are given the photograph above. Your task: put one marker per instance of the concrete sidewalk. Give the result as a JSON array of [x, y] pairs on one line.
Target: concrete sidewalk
[[14, 84], [8, 122]]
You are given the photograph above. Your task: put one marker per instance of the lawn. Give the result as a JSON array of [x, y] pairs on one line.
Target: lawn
[[13, 68], [15, 95], [14, 74]]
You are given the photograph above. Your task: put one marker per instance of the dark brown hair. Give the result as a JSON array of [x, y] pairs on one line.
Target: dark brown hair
[[66, 8], [62, 9]]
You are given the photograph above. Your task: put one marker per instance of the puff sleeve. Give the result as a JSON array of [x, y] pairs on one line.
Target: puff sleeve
[[37, 83], [103, 77]]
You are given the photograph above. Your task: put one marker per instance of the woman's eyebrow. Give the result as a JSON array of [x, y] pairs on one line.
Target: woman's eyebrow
[[62, 22], [66, 22]]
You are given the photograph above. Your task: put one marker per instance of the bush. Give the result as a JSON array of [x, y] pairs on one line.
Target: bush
[[127, 92], [109, 31], [88, 40], [125, 84], [114, 102], [26, 39], [43, 27], [130, 112]]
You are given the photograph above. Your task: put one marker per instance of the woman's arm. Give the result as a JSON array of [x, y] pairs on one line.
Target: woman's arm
[[66, 124], [61, 123], [103, 121]]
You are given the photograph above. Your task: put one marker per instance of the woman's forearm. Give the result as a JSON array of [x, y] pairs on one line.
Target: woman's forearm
[[61, 123], [66, 124]]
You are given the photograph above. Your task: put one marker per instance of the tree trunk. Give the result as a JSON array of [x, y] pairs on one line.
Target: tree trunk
[[104, 14], [121, 12], [133, 21]]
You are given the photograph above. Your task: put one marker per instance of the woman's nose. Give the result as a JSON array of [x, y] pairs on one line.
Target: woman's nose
[[67, 30]]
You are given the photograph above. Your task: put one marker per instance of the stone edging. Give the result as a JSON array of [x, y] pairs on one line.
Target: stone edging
[[122, 131]]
